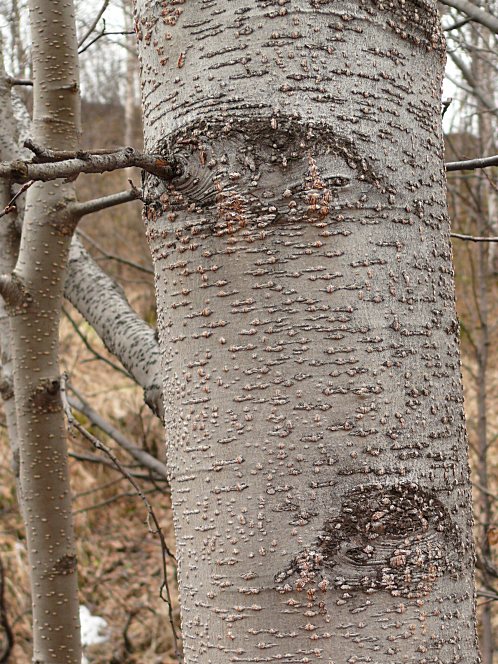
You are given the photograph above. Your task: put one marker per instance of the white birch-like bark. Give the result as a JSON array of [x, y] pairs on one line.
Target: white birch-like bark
[[103, 304], [38, 278], [316, 439]]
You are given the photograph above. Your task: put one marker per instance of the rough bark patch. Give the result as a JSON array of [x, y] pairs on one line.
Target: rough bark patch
[[399, 539], [66, 565], [232, 175], [46, 397]]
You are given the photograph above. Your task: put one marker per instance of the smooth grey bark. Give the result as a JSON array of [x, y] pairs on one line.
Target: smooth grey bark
[[8, 256], [316, 437], [33, 294]]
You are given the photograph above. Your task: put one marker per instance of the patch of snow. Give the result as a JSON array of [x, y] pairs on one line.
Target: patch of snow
[[94, 629]]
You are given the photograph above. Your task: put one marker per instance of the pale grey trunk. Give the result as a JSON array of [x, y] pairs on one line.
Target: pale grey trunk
[[34, 316], [8, 256], [316, 439]]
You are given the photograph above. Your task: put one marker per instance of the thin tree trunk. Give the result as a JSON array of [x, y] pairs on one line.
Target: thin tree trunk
[[34, 296], [316, 439], [8, 256]]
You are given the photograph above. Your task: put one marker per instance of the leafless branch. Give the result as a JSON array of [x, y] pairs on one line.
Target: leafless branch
[[104, 33], [92, 458], [10, 207], [472, 164], [112, 499], [89, 346], [69, 165], [457, 25], [475, 13], [94, 23], [446, 105], [144, 458], [151, 516], [85, 283], [475, 88], [11, 80], [473, 238], [113, 257], [89, 207]]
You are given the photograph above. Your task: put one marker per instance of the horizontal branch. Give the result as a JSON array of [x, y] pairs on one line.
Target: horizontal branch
[[11, 80], [472, 164], [474, 238], [475, 13], [88, 207], [69, 168]]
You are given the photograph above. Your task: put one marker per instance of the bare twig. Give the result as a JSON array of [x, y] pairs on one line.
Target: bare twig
[[474, 238], [446, 104], [104, 33], [144, 458], [113, 257], [95, 489], [89, 207], [458, 24], [93, 25], [54, 166], [91, 458], [112, 499], [151, 516], [11, 80], [474, 12], [132, 614], [472, 164], [10, 207], [44, 154]]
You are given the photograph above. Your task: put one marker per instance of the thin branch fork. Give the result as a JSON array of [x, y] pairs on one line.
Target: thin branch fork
[[51, 164]]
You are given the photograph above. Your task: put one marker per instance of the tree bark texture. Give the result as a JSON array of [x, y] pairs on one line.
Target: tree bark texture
[[316, 438], [8, 256], [103, 304], [39, 278]]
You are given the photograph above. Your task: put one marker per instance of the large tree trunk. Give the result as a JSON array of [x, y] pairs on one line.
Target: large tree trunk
[[306, 307]]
